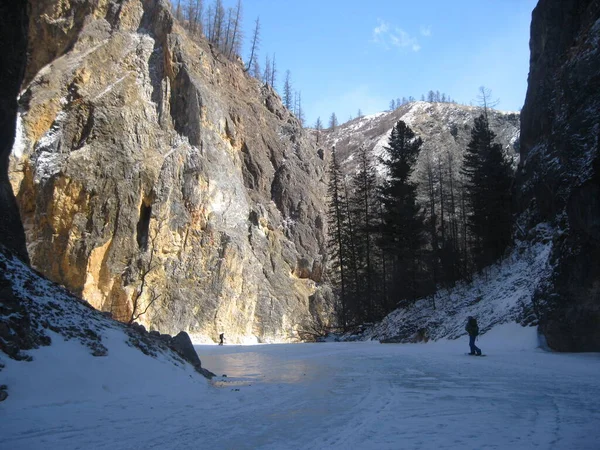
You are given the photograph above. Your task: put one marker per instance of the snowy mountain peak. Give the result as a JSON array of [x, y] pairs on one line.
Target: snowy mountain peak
[[442, 126]]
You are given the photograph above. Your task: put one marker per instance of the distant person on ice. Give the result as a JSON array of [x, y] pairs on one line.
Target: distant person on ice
[[473, 331], [221, 337]]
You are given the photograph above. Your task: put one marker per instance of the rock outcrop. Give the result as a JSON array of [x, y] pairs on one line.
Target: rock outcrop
[[156, 179], [559, 174]]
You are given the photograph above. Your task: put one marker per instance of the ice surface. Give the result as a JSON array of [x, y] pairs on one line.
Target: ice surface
[[308, 396]]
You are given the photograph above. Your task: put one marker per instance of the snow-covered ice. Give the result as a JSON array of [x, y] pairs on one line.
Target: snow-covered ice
[[307, 396]]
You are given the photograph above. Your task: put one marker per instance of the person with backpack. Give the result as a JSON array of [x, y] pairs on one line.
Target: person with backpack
[[221, 338], [473, 329]]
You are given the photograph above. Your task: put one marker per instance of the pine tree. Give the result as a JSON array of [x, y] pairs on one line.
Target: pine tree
[[402, 218], [287, 91], [364, 211], [318, 128], [333, 122], [299, 110], [488, 183], [336, 243]]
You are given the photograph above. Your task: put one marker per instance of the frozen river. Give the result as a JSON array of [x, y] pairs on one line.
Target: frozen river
[[369, 395], [307, 396]]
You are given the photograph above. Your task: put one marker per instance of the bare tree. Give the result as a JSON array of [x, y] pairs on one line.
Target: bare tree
[[146, 268], [227, 35], [209, 26], [236, 33], [255, 46], [256, 73], [178, 11], [273, 71], [267, 71], [218, 23], [484, 99], [199, 16], [191, 16]]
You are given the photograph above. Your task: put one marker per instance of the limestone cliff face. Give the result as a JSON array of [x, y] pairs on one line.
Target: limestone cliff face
[[151, 171], [559, 174]]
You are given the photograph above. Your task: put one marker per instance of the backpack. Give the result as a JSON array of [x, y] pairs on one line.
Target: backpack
[[472, 328]]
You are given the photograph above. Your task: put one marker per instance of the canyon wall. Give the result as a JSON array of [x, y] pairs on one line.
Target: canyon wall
[[13, 35], [160, 182], [559, 174]]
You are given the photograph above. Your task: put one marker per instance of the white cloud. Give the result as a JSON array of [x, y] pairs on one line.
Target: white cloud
[[380, 29], [387, 36], [425, 31]]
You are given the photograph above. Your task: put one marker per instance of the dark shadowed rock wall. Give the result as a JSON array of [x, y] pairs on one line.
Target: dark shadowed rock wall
[[559, 173], [13, 35]]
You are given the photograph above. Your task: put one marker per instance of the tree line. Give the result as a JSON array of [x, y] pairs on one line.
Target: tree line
[[223, 30], [220, 26], [432, 97], [398, 238]]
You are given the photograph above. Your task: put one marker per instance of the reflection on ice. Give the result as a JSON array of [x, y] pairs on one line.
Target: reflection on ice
[[249, 366]]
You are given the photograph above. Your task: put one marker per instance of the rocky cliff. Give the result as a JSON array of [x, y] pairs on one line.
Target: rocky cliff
[[154, 176], [559, 174]]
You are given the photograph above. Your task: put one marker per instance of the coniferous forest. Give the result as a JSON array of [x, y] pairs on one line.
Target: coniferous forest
[[389, 247]]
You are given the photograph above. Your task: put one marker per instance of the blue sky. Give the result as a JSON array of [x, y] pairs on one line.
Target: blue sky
[[351, 54]]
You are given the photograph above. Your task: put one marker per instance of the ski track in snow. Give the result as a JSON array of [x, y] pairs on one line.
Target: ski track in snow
[[313, 396]]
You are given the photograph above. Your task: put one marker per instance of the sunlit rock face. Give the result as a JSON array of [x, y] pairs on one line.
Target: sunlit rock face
[[151, 172], [559, 174]]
